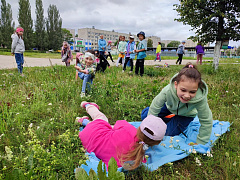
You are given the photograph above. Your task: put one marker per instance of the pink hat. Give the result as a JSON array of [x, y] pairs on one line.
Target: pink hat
[[154, 124], [109, 41], [19, 29]]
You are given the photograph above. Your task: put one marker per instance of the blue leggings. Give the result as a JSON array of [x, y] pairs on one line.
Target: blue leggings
[[87, 81], [175, 125]]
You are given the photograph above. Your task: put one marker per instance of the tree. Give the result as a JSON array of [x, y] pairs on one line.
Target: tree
[[54, 28], [238, 51], [67, 36], [40, 26], [26, 22], [212, 20], [162, 44], [150, 43], [173, 44], [6, 24]]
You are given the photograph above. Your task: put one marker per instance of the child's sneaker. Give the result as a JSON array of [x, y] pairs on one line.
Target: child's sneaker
[[80, 119], [82, 94], [84, 103]]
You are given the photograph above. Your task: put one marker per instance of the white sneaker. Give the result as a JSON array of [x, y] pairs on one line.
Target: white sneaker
[[83, 94]]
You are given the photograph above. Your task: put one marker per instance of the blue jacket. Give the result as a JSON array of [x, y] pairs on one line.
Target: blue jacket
[[102, 44], [142, 45], [132, 49]]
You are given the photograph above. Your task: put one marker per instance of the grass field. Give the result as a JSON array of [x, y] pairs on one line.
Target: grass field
[[39, 139]]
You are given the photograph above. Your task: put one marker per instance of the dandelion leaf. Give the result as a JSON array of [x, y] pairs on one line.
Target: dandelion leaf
[[81, 174], [92, 175]]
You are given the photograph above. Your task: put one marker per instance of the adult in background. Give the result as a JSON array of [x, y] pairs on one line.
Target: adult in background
[[180, 52], [200, 52], [102, 45], [158, 52]]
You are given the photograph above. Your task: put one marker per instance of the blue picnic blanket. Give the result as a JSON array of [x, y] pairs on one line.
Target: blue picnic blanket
[[171, 148]]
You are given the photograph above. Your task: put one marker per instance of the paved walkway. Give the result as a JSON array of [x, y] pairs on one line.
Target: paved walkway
[[8, 62]]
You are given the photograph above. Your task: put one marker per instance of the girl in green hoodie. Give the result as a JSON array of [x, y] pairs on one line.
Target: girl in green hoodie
[[180, 101]]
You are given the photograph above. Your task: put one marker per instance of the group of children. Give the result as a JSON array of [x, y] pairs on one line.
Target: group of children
[[169, 114], [128, 50]]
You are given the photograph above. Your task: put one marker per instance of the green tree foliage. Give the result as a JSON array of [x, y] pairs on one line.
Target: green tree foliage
[[150, 43], [173, 44], [26, 22], [54, 28], [212, 20], [162, 44], [238, 51], [67, 36], [40, 33], [6, 24]]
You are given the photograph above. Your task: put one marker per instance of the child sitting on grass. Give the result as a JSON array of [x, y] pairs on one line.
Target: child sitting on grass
[[123, 141], [86, 70]]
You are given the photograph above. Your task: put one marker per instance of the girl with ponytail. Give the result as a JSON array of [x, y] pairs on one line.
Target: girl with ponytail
[[123, 141]]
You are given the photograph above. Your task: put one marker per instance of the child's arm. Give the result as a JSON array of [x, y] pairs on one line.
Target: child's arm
[[14, 43], [206, 121], [158, 102], [76, 77]]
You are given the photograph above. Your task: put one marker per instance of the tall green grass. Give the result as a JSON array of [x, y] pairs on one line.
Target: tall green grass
[[39, 138]]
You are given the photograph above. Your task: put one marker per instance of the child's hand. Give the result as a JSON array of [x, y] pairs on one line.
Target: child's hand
[[12, 54], [136, 51]]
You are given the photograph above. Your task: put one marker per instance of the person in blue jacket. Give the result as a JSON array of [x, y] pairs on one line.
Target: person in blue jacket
[[130, 53], [102, 45]]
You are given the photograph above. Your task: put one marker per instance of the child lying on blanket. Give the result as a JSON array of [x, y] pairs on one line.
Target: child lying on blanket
[[123, 141]]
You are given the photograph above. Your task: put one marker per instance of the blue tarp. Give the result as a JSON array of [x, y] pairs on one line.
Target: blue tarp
[[171, 148]]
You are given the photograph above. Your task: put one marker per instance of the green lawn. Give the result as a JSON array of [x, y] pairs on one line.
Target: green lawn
[[39, 138]]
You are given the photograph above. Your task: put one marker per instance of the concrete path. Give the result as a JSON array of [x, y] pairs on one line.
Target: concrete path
[[8, 62]]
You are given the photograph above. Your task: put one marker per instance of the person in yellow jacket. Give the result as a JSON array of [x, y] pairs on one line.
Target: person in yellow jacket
[[158, 52]]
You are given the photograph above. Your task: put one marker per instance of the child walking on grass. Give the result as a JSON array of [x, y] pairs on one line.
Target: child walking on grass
[[180, 101], [18, 48], [86, 70], [141, 53], [66, 53], [122, 141]]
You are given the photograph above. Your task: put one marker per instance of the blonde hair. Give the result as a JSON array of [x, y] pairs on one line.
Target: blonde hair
[[137, 153]]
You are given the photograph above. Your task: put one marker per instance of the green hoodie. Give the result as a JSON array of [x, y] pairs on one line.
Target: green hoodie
[[196, 106]]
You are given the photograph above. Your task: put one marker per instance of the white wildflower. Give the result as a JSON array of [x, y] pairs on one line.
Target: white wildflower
[[209, 154], [38, 127], [49, 104], [22, 104], [31, 125], [17, 113], [27, 98], [198, 161], [194, 151], [9, 153], [226, 91]]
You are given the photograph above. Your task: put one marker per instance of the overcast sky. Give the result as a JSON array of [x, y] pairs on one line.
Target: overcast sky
[[154, 17]]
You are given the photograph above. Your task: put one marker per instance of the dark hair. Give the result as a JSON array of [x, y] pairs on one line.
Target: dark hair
[[189, 71], [91, 51]]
